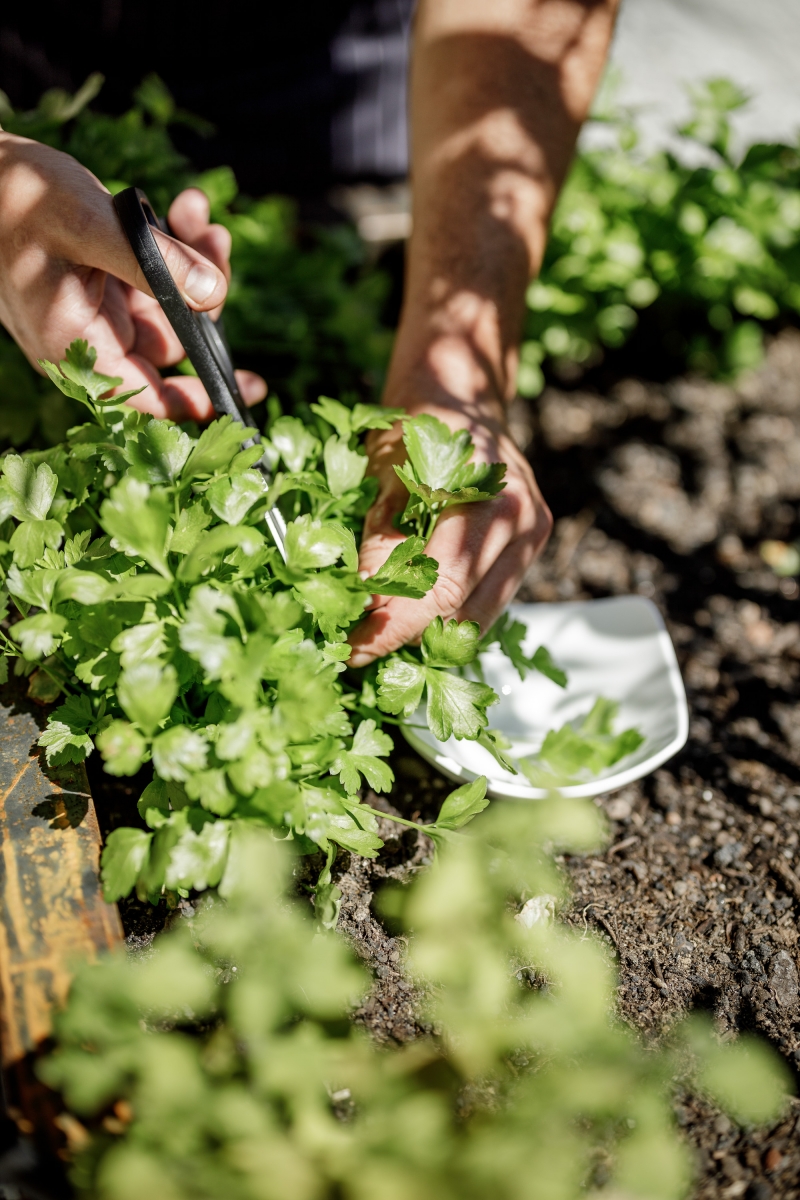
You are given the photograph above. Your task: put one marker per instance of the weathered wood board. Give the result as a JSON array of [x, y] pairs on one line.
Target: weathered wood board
[[51, 908]]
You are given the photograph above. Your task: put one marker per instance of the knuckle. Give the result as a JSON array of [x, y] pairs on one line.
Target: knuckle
[[448, 595]]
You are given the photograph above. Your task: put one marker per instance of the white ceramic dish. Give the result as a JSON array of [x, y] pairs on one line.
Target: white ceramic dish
[[616, 648]]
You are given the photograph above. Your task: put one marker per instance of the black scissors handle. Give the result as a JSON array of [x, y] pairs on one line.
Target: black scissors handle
[[198, 334], [200, 337]]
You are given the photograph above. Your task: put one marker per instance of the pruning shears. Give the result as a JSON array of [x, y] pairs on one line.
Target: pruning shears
[[202, 339]]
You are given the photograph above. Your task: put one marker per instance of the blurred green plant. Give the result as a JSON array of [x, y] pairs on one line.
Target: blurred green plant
[[220, 1065], [713, 250], [302, 307]]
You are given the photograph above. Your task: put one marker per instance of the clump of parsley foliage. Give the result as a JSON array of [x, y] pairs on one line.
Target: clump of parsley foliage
[[153, 602], [222, 1065]]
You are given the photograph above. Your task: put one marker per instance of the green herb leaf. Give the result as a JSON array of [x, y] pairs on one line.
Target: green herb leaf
[[179, 752], [498, 746], [123, 748], [568, 754], [28, 541], [364, 758], [543, 663], [64, 744], [335, 602], [450, 644], [311, 544], [147, 691], [294, 442], [26, 491], [510, 635], [231, 499], [197, 860], [211, 547], [191, 523], [157, 455], [137, 518], [400, 686], [456, 706], [344, 468], [125, 854], [215, 449], [407, 572], [463, 804], [39, 636], [436, 453]]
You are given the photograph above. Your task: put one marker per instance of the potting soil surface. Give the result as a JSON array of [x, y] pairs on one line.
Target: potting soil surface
[[666, 491]]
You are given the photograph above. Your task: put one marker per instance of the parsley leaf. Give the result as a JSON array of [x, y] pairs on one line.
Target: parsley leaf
[[450, 644], [138, 517], [364, 758], [294, 442], [455, 706], [407, 572], [569, 754], [158, 453], [436, 454], [63, 744], [463, 804], [231, 499], [215, 448], [344, 468], [510, 635], [125, 854], [26, 491], [123, 748], [147, 691]]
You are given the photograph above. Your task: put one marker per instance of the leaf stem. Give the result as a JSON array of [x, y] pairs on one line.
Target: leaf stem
[[377, 812]]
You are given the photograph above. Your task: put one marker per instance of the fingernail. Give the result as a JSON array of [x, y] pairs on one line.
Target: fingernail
[[360, 658], [363, 574], [200, 283]]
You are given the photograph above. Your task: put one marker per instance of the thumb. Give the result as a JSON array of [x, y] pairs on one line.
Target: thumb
[[94, 237], [201, 283]]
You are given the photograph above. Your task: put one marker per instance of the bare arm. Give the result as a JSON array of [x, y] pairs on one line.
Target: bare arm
[[498, 94]]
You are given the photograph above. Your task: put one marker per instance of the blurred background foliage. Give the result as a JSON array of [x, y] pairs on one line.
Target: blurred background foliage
[[657, 264], [220, 1064], [682, 264]]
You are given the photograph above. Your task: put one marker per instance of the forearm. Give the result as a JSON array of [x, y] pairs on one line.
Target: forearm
[[498, 95]]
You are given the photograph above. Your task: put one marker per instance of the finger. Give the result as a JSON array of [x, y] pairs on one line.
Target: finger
[[154, 337], [189, 221], [188, 215], [466, 544], [496, 591], [94, 237], [185, 399], [179, 397], [379, 536]]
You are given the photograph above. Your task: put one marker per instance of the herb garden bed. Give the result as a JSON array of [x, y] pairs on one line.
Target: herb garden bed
[[695, 896], [666, 490]]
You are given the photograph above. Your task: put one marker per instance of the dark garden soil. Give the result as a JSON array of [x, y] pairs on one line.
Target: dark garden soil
[[665, 491]]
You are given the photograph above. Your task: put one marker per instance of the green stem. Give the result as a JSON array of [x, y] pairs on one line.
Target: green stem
[[85, 504], [376, 812]]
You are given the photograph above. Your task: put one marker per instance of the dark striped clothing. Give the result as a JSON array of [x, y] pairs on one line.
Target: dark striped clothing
[[302, 94]]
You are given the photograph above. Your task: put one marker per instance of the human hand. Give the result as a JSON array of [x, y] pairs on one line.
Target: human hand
[[67, 271], [483, 549]]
